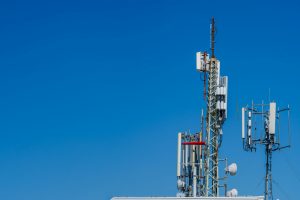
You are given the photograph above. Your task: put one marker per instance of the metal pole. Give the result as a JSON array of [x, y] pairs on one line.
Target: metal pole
[[267, 173]]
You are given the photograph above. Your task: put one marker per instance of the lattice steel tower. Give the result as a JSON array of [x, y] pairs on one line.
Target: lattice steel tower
[[216, 113], [198, 153]]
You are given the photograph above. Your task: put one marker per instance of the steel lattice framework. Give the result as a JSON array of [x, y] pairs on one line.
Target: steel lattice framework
[[211, 169], [197, 172], [214, 122]]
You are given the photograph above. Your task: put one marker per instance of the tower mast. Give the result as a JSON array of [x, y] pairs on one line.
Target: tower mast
[[270, 140], [212, 36], [197, 160], [213, 125]]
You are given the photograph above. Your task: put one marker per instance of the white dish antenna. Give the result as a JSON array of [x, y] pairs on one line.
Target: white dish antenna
[[232, 193], [231, 169]]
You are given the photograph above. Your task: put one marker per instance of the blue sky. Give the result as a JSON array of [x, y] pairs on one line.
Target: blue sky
[[93, 93]]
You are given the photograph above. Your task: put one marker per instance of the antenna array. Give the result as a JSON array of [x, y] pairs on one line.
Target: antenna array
[[270, 117], [198, 161]]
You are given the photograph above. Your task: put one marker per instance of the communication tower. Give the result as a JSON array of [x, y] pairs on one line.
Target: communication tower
[[269, 123], [198, 159]]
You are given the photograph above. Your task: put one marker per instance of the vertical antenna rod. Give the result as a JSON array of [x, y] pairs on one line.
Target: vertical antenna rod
[[212, 39]]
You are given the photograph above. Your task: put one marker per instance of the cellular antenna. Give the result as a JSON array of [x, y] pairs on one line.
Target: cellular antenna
[[198, 154], [270, 117]]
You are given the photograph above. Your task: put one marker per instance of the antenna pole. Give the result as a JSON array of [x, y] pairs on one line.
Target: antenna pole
[[268, 178], [192, 182], [215, 117], [270, 139], [212, 37]]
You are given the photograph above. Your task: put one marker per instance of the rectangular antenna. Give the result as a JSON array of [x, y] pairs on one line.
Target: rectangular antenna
[[272, 118], [179, 155], [243, 123]]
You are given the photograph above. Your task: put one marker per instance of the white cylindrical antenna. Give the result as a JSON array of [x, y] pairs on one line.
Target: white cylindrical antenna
[[186, 155], [272, 118], [243, 123], [249, 128], [182, 159], [179, 155], [194, 183], [190, 161], [249, 123], [193, 149], [200, 155], [199, 63]]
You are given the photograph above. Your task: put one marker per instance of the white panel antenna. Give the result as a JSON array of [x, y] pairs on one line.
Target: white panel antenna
[[272, 118]]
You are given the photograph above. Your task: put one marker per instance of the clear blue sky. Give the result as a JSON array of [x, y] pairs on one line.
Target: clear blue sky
[[93, 93]]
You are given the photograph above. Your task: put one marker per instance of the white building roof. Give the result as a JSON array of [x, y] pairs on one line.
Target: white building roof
[[190, 198]]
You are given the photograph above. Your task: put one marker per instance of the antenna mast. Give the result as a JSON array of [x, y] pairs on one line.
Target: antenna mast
[[212, 37], [198, 160], [270, 139], [216, 114]]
